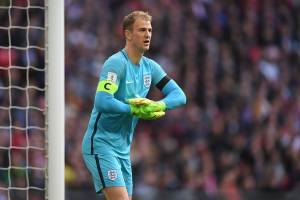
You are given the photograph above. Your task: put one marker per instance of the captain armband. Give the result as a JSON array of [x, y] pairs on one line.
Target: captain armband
[[107, 86]]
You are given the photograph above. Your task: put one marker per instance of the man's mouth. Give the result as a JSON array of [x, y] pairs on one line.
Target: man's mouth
[[147, 42]]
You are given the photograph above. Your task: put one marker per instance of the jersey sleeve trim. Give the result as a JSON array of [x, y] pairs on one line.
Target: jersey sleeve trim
[[161, 84], [107, 86]]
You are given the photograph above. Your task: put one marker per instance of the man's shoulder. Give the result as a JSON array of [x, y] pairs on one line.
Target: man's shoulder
[[149, 61], [116, 58]]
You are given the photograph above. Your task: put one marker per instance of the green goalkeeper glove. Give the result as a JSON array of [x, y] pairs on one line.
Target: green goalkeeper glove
[[148, 105], [153, 115], [140, 112], [135, 110], [139, 101], [147, 109], [155, 106]]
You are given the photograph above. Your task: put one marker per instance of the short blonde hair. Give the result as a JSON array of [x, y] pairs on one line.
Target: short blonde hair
[[129, 19]]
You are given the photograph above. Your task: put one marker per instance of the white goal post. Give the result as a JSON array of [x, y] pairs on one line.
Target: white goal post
[[55, 93]]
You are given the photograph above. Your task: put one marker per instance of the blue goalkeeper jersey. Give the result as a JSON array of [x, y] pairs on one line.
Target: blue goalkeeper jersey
[[111, 133]]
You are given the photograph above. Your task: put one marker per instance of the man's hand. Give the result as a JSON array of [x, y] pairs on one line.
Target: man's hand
[[140, 112], [155, 106], [149, 105], [139, 101], [147, 109]]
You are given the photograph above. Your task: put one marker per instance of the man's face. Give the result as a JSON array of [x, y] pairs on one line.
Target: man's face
[[141, 33]]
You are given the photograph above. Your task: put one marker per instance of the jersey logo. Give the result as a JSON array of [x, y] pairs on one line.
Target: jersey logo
[[111, 76], [112, 174], [147, 80], [128, 82]]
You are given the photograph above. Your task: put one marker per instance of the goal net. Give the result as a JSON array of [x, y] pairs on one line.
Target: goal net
[[23, 150]]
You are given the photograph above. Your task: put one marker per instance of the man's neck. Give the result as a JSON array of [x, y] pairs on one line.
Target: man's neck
[[133, 55]]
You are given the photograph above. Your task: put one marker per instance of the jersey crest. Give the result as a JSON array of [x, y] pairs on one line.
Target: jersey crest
[[111, 76], [147, 80], [112, 174]]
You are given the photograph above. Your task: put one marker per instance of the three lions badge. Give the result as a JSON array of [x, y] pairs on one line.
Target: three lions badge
[[147, 80]]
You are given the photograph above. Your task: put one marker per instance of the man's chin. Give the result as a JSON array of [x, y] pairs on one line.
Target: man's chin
[[144, 49]]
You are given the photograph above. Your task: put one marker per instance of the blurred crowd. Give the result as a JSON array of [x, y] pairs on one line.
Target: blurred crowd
[[238, 62], [22, 100]]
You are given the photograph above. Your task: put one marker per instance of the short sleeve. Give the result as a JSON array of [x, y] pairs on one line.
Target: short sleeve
[[157, 72], [112, 70]]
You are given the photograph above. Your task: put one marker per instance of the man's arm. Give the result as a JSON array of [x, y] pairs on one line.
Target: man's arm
[[174, 95], [110, 75], [105, 101]]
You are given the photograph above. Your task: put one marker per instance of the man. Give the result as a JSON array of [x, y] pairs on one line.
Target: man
[[125, 80]]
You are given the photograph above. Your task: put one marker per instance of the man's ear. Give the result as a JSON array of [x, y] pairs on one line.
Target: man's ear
[[128, 35]]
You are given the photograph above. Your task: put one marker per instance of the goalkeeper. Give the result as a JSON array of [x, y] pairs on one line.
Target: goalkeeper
[[125, 80]]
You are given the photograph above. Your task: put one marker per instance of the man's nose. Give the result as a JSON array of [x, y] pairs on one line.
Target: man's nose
[[148, 33]]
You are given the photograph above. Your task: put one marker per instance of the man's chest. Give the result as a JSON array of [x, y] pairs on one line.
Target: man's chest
[[137, 81]]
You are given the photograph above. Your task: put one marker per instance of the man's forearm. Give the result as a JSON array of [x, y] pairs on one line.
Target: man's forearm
[[106, 103], [174, 96]]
